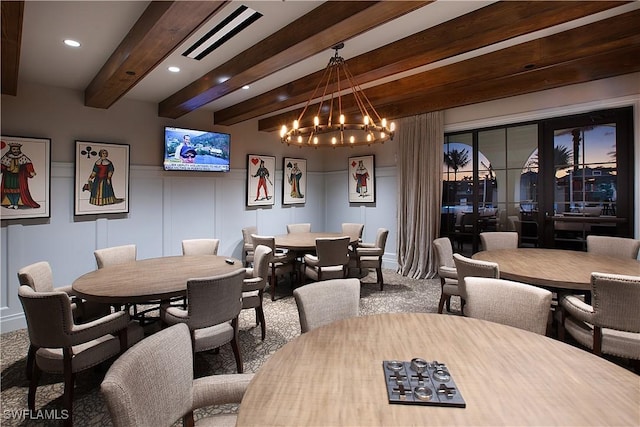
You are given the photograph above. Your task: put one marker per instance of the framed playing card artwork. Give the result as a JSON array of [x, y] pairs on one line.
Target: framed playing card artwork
[[102, 178], [26, 177], [294, 181], [260, 176], [362, 180]]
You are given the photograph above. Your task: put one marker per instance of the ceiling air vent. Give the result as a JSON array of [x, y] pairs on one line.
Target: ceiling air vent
[[240, 19]]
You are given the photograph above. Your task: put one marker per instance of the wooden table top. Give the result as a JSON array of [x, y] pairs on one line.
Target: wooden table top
[[149, 279], [304, 241], [333, 376], [556, 268]]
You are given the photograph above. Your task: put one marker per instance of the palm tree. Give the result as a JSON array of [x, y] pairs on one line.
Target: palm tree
[[456, 159]]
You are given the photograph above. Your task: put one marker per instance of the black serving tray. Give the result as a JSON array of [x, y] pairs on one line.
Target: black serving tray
[[418, 382]]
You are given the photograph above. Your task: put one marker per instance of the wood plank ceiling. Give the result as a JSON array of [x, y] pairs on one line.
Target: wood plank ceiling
[[605, 48]]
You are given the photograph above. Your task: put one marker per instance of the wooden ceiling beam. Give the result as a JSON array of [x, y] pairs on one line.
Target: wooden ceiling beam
[[12, 13], [319, 30], [161, 28], [491, 24], [589, 41]]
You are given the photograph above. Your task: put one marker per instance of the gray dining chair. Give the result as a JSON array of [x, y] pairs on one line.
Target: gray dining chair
[[611, 323], [299, 228], [469, 267], [494, 240], [323, 302], [152, 384], [446, 271], [115, 255], [369, 255], [200, 246], [281, 262], [247, 244], [619, 247], [254, 284], [60, 346], [330, 261], [509, 303], [213, 306]]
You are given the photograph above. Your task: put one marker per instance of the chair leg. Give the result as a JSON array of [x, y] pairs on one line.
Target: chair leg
[[443, 299], [260, 317], [31, 357], [380, 278], [235, 347], [69, 379], [274, 281], [33, 386]]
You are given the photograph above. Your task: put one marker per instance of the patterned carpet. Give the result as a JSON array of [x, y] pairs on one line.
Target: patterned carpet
[[400, 294]]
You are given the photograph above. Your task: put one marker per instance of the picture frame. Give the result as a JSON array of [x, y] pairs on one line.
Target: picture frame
[[362, 180], [101, 178], [260, 176], [294, 181], [26, 177]]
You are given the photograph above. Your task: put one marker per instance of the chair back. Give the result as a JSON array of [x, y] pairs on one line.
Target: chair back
[[246, 236], [49, 317], [268, 241], [214, 300], [115, 255], [615, 301], [353, 230], [299, 228], [619, 247], [261, 261], [321, 303], [151, 384], [444, 252], [468, 267], [509, 303], [332, 251], [38, 276], [200, 246], [381, 238], [494, 240]]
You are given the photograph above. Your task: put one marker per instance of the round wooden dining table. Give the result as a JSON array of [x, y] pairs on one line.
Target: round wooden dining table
[[556, 269], [305, 241], [334, 376], [152, 279]]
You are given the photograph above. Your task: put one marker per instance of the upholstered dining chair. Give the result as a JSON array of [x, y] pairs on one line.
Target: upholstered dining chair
[[369, 255], [619, 247], [213, 306], [254, 284], [115, 255], [330, 261], [509, 303], [60, 346], [299, 228], [247, 244], [353, 230], [493, 240], [281, 262], [200, 246], [152, 384], [469, 267], [446, 271], [323, 302], [611, 323]]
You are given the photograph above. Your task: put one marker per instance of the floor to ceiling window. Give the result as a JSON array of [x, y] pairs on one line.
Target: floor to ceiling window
[[535, 178]]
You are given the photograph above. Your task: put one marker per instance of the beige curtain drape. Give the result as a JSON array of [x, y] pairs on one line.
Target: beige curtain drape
[[420, 156]]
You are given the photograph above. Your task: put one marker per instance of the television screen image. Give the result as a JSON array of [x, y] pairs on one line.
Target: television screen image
[[196, 150]]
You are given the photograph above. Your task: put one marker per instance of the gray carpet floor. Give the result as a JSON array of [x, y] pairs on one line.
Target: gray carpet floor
[[400, 294]]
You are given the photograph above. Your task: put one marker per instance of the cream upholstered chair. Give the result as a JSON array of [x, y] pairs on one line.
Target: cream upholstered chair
[[247, 244], [469, 267], [509, 303], [255, 282], [321, 303], [369, 255], [611, 323], [213, 306], [115, 255], [281, 263], [152, 384], [39, 277], [619, 247], [353, 230], [299, 228], [446, 271], [200, 246], [493, 240], [60, 346], [330, 261]]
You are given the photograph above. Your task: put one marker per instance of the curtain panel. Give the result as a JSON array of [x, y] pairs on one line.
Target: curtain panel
[[420, 156]]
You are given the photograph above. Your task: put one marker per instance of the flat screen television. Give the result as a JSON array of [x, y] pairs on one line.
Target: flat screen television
[[196, 150]]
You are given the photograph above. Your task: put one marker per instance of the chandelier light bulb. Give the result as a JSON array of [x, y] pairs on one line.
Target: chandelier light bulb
[[392, 126], [283, 131], [366, 120], [352, 139], [315, 140], [384, 123], [368, 137], [334, 140], [316, 121], [296, 125], [299, 139], [341, 119]]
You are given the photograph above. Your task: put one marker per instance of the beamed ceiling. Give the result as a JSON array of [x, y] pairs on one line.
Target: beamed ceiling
[[412, 57]]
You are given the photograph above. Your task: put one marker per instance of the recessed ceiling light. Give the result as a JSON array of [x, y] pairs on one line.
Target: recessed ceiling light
[[174, 69], [72, 43], [245, 87], [223, 79]]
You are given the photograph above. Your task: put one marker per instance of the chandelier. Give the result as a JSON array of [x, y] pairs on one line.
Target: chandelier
[[329, 126]]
